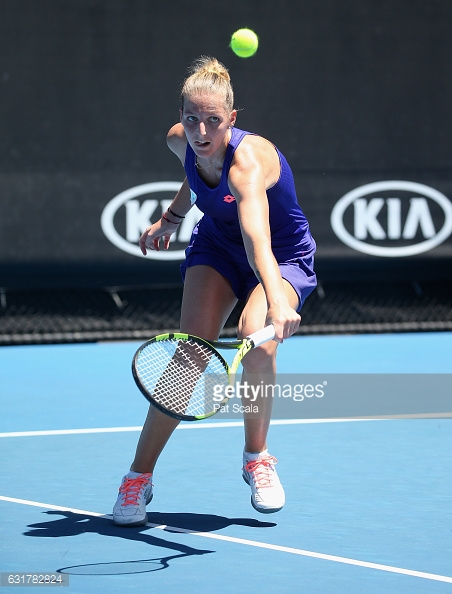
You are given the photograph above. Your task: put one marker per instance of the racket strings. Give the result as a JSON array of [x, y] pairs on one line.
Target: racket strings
[[182, 375]]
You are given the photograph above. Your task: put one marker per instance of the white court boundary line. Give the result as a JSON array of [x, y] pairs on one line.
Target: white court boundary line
[[190, 426], [246, 542]]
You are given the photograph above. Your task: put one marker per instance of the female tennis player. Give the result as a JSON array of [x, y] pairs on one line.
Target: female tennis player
[[253, 244]]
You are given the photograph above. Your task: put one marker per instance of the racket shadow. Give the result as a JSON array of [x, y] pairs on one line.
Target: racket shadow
[[73, 524]]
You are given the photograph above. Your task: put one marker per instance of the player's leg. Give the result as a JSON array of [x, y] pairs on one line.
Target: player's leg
[[267, 494], [260, 363], [206, 304]]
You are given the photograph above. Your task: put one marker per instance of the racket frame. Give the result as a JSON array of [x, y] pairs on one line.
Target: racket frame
[[242, 346]]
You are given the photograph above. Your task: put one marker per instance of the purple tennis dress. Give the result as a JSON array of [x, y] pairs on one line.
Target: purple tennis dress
[[217, 240]]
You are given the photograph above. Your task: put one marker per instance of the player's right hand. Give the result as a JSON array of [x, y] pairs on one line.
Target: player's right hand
[[150, 239]]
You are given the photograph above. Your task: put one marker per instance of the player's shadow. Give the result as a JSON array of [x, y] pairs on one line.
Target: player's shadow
[[73, 524]]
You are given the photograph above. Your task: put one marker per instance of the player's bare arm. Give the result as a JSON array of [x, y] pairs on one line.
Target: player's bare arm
[[169, 223], [253, 171]]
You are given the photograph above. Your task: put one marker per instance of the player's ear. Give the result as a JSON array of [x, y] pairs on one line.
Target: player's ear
[[232, 118]]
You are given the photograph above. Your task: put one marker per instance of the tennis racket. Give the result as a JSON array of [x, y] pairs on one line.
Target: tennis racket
[[185, 376]]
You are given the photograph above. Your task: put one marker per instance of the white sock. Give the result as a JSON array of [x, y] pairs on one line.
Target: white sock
[[132, 474], [254, 456]]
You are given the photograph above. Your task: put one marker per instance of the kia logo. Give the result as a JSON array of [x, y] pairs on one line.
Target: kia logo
[[125, 218], [392, 218]]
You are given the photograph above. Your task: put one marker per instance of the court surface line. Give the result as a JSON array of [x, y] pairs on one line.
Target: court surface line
[[191, 426], [251, 543]]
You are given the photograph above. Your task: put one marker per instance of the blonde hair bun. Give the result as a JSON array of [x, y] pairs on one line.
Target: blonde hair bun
[[208, 65], [208, 75]]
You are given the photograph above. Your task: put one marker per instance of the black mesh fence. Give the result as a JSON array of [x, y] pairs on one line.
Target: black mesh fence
[[87, 315]]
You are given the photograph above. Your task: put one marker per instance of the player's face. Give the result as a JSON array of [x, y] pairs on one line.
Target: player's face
[[206, 123]]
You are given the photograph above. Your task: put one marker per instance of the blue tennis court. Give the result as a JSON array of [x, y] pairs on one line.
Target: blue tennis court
[[368, 501]]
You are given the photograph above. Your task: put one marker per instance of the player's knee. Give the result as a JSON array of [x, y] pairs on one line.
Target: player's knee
[[260, 359]]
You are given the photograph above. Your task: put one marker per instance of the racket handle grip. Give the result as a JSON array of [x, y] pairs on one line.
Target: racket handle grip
[[263, 335]]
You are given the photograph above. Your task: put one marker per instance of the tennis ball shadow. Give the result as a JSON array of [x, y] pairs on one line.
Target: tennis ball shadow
[[73, 524]]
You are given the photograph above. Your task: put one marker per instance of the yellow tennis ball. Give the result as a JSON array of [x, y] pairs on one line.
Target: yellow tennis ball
[[244, 43]]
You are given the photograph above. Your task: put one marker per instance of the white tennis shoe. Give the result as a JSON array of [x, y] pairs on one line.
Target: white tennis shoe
[[267, 493], [134, 494]]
